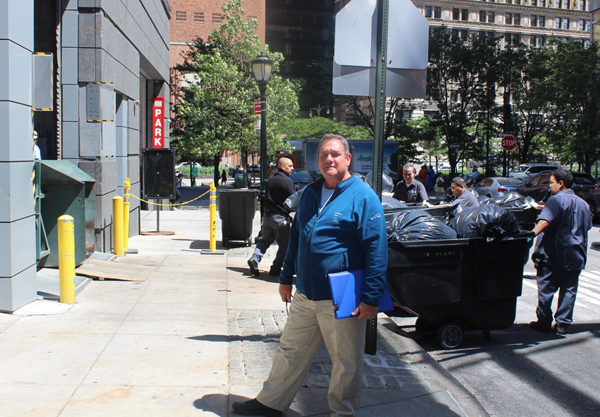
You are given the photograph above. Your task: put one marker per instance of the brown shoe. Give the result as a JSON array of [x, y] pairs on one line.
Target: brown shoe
[[540, 326], [560, 330], [254, 408]]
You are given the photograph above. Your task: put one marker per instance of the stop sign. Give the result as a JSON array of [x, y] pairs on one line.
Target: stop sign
[[509, 142]]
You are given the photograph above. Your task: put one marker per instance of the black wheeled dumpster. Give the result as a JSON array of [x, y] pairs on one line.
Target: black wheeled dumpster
[[236, 211], [459, 284]]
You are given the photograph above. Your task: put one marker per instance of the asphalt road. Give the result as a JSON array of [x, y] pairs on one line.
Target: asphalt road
[[519, 372]]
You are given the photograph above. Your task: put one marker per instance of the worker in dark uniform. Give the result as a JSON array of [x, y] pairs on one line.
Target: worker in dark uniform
[[411, 190], [560, 253], [276, 221]]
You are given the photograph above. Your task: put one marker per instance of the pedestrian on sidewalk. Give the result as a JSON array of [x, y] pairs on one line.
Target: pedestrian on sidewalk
[[223, 178], [560, 253], [339, 226], [276, 221]]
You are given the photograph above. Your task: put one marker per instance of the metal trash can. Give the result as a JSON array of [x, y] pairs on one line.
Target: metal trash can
[[66, 189], [236, 211]]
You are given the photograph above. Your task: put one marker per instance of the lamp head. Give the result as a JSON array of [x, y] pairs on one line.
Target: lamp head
[[261, 68]]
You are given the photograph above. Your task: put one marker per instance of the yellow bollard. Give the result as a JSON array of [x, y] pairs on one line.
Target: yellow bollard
[[118, 226], [213, 217], [66, 259], [126, 205]]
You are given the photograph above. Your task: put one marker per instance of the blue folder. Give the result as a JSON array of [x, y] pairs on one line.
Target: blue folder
[[347, 289]]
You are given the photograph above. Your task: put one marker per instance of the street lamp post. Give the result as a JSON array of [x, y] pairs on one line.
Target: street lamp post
[[261, 68], [318, 110]]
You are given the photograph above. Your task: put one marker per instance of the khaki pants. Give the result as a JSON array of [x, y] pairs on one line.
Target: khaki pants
[[308, 324]]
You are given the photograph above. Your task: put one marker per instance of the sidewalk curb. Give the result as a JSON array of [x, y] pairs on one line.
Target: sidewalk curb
[[422, 361]]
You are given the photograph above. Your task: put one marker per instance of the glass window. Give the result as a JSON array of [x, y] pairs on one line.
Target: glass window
[[455, 14], [587, 26], [542, 3], [464, 34], [464, 14], [581, 24], [557, 23], [437, 12], [517, 1], [565, 23], [542, 21], [455, 33], [491, 17], [582, 5], [508, 19], [508, 1], [517, 19], [534, 3], [427, 11], [482, 16], [533, 20]]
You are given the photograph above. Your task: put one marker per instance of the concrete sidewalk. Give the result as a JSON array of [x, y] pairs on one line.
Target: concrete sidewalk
[[194, 337]]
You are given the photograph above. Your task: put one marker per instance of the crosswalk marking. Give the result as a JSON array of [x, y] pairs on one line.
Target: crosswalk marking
[[588, 290]]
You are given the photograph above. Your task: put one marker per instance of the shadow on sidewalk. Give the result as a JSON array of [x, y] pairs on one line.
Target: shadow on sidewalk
[[266, 338], [213, 403]]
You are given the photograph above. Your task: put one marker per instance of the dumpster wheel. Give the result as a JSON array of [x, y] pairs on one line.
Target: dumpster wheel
[[449, 335]]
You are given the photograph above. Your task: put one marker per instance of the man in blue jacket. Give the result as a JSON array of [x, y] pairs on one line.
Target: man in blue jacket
[[339, 226]]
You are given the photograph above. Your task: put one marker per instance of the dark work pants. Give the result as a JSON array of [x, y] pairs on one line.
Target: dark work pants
[[275, 228], [549, 281]]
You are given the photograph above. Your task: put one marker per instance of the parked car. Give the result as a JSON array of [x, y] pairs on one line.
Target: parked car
[[539, 185], [497, 187], [526, 172]]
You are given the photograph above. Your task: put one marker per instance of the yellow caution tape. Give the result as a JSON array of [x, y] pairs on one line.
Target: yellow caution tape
[[170, 205]]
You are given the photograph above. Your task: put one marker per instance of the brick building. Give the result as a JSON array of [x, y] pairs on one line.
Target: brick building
[[191, 19]]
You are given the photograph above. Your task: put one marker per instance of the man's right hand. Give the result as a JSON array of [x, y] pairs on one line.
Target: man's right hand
[[285, 291]]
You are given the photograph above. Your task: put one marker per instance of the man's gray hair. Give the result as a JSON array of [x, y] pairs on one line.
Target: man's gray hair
[[330, 136], [459, 181], [410, 166]]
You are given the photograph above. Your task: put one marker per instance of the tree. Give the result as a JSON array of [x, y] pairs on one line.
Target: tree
[[526, 118], [461, 85], [316, 127], [217, 113], [573, 85]]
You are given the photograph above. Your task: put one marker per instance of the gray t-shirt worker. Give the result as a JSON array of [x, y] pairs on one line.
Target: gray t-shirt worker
[[464, 197], [561, 252]]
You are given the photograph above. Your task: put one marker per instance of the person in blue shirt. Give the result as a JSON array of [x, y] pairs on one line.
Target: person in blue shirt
[[560, 253], [339, 226]]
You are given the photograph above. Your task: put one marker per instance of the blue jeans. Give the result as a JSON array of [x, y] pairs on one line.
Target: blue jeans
[[549, 282], [275, 228]]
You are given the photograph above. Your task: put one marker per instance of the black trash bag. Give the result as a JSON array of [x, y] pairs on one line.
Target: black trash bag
[[490, 221], [483, 200], [418, 225], [391, 203], [512, 200]]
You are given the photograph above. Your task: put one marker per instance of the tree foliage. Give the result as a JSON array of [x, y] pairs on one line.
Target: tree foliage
[[217, 113], [316, 127], [572, 84]]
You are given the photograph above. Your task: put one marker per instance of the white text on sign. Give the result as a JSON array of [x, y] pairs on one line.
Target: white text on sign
[[158, 123]]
